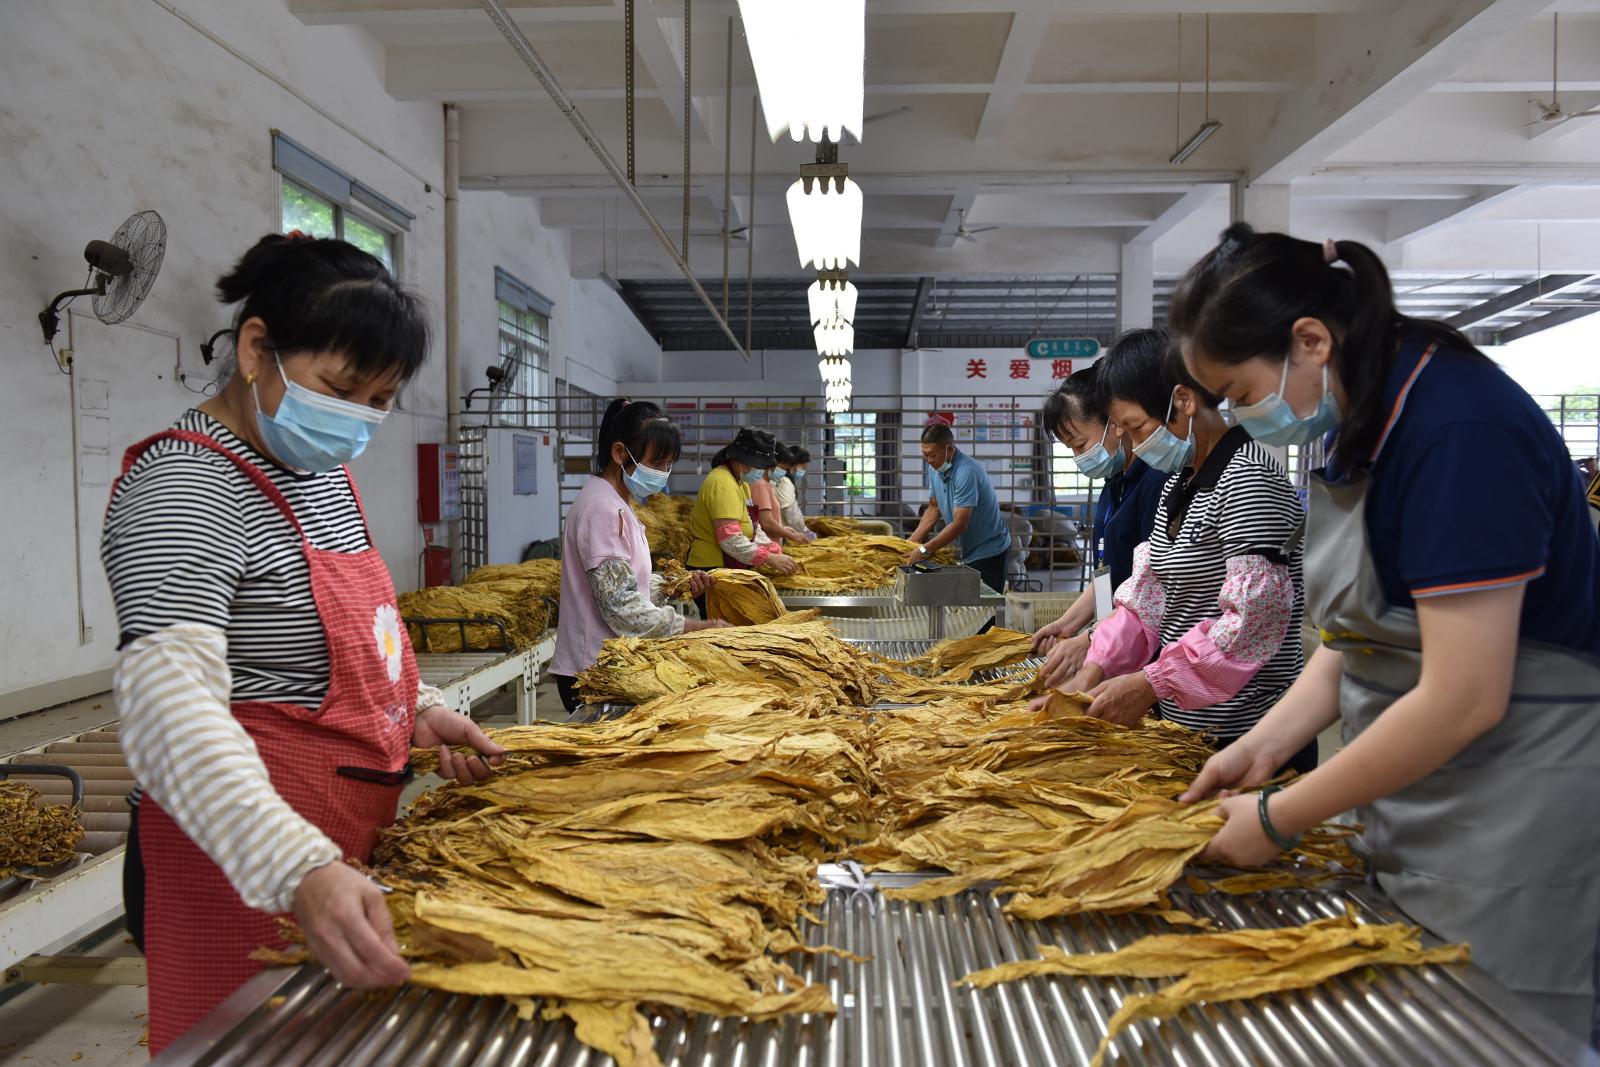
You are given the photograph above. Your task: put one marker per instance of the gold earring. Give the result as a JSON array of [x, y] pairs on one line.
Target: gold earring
[[249, 379]]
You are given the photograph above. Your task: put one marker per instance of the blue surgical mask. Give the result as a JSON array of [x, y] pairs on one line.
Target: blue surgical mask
[[752, 476], [1272, 421], [312, 431], [644, 482], [1096, 462], [798, 475], [1163, 451], [945, 467]]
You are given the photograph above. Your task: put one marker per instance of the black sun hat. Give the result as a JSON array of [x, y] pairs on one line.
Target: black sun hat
[[756, 447]]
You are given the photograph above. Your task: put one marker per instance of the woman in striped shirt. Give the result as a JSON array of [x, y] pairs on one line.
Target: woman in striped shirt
[[1207, 630], [267, 691]]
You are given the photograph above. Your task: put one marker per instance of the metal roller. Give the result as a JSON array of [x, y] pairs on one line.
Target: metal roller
[[902, 1007]]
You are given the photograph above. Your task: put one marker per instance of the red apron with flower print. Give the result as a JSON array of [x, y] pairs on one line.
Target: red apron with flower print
[[199, 933]]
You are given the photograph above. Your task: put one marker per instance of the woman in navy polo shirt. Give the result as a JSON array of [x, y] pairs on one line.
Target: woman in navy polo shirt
[[1461, 642], [1123, 514]]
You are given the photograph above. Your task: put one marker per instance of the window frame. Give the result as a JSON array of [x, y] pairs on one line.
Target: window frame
[[392, 233], [864, 465], [522, 399]]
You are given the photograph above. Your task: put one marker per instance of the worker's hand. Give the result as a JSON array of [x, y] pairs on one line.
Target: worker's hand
[[346, 922], [780, 563], [1046, 636], [1088, 677], [811, 535], [917, 555], [1123, 700], [1243, 764], [700, 581], [439, 727], [1064, 660], [1241, 842], [691, 625]]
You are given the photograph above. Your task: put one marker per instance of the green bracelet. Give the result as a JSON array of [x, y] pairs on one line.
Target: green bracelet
[[1286, 843]]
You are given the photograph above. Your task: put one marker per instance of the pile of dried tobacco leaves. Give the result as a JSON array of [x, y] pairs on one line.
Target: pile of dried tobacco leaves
[[34, 837], [667, 858]]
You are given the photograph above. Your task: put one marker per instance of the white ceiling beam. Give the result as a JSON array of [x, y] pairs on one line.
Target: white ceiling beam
[[412, 12], [961, 203], [1420, 218], [1181, 209], [660, 45], [1023, 40], [1468, 173], [1367, 67], [945, 184]]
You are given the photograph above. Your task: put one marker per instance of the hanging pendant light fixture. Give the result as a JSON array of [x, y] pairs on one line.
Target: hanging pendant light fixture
[[835, 370], [835, 338], [832, 301], [809, 58], [836, 396], [827, 222]]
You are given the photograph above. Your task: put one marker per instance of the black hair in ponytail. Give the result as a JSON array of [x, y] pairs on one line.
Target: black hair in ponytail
[[1078, 397], [1241, 301], [642, 428], [322, 295]]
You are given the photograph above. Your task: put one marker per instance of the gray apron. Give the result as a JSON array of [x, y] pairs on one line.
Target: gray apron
[[1500, 847]]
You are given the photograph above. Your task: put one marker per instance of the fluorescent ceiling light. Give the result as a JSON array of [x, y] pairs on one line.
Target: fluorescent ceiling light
[[832, 302], [835, 339], [809, 57], [827, 223], [1209, 127], [835, 370]]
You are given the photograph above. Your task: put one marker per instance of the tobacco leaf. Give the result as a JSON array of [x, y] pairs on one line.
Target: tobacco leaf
[[1231, 965], [33, 835], [740, 597]]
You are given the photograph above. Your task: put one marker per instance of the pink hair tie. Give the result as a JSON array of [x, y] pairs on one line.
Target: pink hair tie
[[1330, 252]]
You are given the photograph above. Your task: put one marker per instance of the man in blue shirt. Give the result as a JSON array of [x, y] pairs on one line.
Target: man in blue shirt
[[963, 497]]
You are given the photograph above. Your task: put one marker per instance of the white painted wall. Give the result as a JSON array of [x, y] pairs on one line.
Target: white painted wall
[[111, 106]]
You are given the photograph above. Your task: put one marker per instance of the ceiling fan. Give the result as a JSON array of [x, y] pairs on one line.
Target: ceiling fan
[[970, 234], [1551, 110], [738, 233], [850, 138]]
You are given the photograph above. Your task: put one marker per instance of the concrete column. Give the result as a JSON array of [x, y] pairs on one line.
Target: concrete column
[[1266, 207], [1136, 286]]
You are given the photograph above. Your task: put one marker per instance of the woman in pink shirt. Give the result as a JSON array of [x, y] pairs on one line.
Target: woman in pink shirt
[[607, 586]]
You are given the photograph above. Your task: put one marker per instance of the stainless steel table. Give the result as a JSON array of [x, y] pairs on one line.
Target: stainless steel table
[[901, 1007]]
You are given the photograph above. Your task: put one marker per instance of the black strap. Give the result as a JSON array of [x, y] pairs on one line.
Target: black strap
[[377, 777], [1283, 553]]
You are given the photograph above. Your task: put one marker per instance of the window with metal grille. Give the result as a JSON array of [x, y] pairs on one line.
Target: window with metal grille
[[522, 398], [855, 446], [581, 411]]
